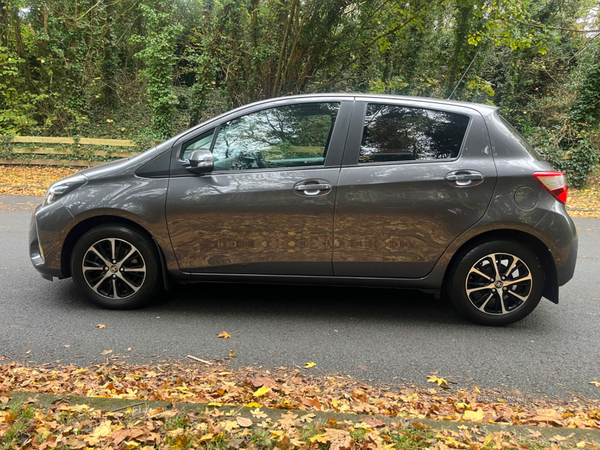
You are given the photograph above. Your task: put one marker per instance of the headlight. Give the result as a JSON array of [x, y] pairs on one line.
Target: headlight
[[63, 187]]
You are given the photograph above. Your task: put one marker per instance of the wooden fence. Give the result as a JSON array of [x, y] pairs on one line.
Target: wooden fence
[[62, 151]]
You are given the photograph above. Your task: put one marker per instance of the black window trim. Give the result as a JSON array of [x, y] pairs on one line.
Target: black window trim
[[181, 146], [363, 114]]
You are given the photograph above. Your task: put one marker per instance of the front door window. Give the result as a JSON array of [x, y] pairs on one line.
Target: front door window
[[286, 136]]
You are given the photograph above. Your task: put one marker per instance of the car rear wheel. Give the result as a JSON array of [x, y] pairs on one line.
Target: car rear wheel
[[116, 267], [497, 282]]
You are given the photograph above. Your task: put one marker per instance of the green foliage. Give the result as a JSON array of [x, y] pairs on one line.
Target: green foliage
[[144, 70], [159, 60], [567, 150], [586, 109], [15, 107]]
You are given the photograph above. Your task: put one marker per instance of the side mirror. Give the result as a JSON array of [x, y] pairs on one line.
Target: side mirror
[[201, 161]]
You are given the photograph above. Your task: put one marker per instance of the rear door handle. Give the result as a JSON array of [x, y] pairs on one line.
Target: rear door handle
[[465, 178]]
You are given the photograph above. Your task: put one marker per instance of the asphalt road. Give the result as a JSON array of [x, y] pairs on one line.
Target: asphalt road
[[384, 335]]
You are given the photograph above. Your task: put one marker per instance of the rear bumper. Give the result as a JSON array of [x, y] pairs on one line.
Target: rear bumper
[[559, 233]]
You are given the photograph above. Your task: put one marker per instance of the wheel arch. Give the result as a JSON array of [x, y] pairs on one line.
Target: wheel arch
[[91, 222], [539, 248]]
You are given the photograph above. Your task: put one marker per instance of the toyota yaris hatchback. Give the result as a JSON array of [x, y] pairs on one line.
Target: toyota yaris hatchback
[[335, 189]]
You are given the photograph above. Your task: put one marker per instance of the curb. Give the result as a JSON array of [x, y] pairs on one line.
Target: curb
[[565, 435]]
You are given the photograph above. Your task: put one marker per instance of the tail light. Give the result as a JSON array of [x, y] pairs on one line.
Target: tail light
[[555, 183]]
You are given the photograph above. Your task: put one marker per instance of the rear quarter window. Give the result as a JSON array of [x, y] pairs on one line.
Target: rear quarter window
[[526, 145]]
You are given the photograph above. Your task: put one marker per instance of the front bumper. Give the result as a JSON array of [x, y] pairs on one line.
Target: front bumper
[[37, 254]]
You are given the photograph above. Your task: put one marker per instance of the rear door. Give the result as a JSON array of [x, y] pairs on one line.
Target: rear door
[[415, 176], [267, 208]]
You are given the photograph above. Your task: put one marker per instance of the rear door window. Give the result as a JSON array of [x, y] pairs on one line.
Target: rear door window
[[401, 133]]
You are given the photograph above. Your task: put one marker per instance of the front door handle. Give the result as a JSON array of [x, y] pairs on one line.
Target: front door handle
[[464, 178], [311, 188]]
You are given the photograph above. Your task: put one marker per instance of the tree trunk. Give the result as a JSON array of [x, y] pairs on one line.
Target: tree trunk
[[110, 62], [4, 23], [20, 46], [463, 22]]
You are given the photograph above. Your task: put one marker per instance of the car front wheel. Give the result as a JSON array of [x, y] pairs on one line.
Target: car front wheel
[[497, 282], [116, 266]]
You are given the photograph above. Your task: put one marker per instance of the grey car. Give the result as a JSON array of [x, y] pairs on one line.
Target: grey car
[[404, 192]]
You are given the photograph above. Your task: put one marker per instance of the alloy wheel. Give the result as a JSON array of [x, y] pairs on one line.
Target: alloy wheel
[[499, 283], [114, 268]]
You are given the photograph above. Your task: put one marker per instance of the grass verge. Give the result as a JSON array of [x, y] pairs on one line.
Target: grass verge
[[66, 423]]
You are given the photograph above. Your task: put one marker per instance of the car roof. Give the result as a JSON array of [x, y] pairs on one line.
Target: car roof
[[485, 109]]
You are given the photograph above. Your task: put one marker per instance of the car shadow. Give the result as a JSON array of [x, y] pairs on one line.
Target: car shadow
[[303, 302], [297, 302]]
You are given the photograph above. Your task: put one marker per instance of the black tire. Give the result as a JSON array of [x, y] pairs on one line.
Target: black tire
[[475, 270], [135, 279]]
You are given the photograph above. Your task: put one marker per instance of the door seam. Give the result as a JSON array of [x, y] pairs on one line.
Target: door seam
[[337, 185]]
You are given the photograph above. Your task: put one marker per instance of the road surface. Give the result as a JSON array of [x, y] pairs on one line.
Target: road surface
[[387, 335]]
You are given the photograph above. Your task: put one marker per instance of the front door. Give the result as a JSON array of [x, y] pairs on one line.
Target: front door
[[415, 176], [267, 208]]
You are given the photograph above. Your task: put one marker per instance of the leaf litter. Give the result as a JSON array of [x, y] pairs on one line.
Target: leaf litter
[[299, 392], [295, 390]]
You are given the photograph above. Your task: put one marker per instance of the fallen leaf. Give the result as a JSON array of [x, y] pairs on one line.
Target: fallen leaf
[[264, 381], [224, 335], [102, 430], [4, 397], [341, 439], [206, 437], [595, 383], [106, 352], [231, 353], [125, 434], [474, 416], [261, 391], [535, 433], [322, 438], [559, 438], [32, 399], [309, 365], [244, 422], [441, 382], [373, 422], [252, 405], [257, 413], [101, 326], [159, 415], [67, 346], [307, 418]]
